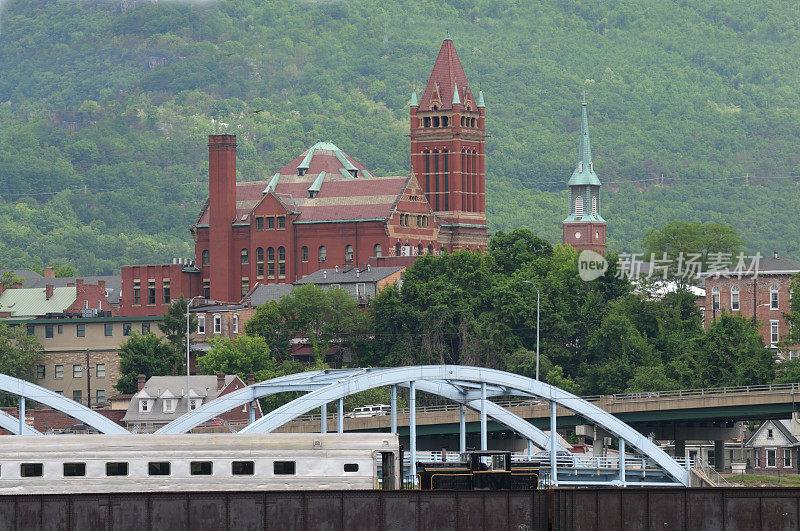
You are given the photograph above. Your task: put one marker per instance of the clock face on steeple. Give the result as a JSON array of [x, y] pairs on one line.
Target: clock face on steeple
[[578, 235]]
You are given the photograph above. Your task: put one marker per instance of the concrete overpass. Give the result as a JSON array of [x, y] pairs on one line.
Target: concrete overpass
[[680, 415]]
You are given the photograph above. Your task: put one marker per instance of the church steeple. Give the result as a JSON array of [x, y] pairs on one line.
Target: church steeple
[[584, 227], [447, 149]]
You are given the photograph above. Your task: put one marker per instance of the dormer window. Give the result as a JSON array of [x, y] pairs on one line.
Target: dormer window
[[354, 173], [169, 405], [312, 194], [580, 167], [145, 405], [301, 171], [195, 403]]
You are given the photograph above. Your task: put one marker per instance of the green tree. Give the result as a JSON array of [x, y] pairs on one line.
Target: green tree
[[732, 352], [173, 325], [791, 339], [267, 323], [19, 352], [246, 354], [788, 372], [516, 248], [679, 241], [145, 354], [64, 270]]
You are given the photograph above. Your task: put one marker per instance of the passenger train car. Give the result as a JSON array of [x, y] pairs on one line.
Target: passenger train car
[[56, 464]]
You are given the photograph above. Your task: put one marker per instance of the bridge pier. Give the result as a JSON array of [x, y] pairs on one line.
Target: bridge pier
[[719, 456], [323, 421], [680, 448], [340, 417], [462, 428], [412, 425], [393, 402]]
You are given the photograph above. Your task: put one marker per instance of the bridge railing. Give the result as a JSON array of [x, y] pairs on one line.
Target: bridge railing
[[617, 397], [568, 461]]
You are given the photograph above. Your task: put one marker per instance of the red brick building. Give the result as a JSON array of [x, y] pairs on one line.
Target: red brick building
[[326, 209], [760, 290], [584, 227]]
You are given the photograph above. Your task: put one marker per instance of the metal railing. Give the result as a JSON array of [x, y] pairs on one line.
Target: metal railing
[[569, 461], [617, 397], [711, 473]]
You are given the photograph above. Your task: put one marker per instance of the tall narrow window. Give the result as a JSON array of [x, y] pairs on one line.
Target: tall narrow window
[[260, 262], [137, 292], [323, 253], [578, 207], [245, 286], [445, 159], [270, 223], [151, 292], [236, 323], [201, 324], [428, 174], [205, 258], [270, 262], [206, 288], [260, 223], [773, 297], [281, 222], [217, 323], [715, 298], [167, 296], [735, 298], [304, 254], [594, 206], [244, 256], [348, 253], [436, 176], [378, 250], [281, 262], [774, 332]]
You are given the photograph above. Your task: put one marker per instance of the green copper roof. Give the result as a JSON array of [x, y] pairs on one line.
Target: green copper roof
[[272, 184], [345, 173], [28, 302], [315, 187], [481, 104], [456, 98], [584, 172], [414, 100]]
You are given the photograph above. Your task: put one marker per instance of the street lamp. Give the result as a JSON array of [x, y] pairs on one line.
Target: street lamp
[[188, 306], [537, 324]]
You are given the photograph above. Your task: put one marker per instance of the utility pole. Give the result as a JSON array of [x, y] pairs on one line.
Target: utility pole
[[88, 382]]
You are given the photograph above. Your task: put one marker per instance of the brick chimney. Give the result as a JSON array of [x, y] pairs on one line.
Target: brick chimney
[[220, 381], [48, 291], [140, 381], [251, 378], [49, 272], [222, 213]]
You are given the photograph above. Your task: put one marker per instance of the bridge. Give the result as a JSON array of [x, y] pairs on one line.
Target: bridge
[[679, 415], [470, 387]]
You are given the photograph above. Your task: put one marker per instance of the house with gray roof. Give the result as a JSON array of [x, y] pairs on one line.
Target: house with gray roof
[[774, 447], [162, 399], [362, 284]]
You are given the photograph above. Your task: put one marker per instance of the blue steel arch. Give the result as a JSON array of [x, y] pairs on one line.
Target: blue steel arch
[[313, 380], [60, 403], [11, 425], [514, 383]]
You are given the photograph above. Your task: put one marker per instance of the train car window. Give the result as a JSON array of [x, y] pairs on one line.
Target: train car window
[[158, 468], [351, 467], [74, 469], [283, 468], [116, 469], [201, 468], [31, 470], [243, 468]]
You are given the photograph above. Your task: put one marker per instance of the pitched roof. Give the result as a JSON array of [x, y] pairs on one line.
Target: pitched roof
[[35, 280], [349, 276], [269, 292], [29, 302], [446, 74], [781, 425], [343, 189], [770, 265], [158, 387]]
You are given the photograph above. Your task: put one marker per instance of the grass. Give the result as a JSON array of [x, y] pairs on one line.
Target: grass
[[764, 480]]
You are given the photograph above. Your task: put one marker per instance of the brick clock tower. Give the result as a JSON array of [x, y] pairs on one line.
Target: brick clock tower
[[447, 151], [584, 228]]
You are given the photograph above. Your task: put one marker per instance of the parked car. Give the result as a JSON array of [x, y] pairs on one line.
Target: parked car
[[376, 410]]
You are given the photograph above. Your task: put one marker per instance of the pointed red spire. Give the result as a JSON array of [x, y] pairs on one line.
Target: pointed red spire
[[447, 71]]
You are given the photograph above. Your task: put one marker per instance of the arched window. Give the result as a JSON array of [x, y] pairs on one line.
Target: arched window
[[260, 262], [304, 253], [436, 121], [427, 121], [378, 250], [594, 206], [281, 262], [245, 256], [735, 298], [578, 207], [773, 297], [323, 253], [348, 253], [270, 262], [205, 257], [715, 298]]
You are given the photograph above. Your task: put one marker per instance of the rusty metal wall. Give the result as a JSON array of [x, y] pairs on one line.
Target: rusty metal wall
[[710, 509], [285, 511], [558, 509]]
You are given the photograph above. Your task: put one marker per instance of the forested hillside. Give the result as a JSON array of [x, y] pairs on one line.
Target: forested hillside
[[105, 108]]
